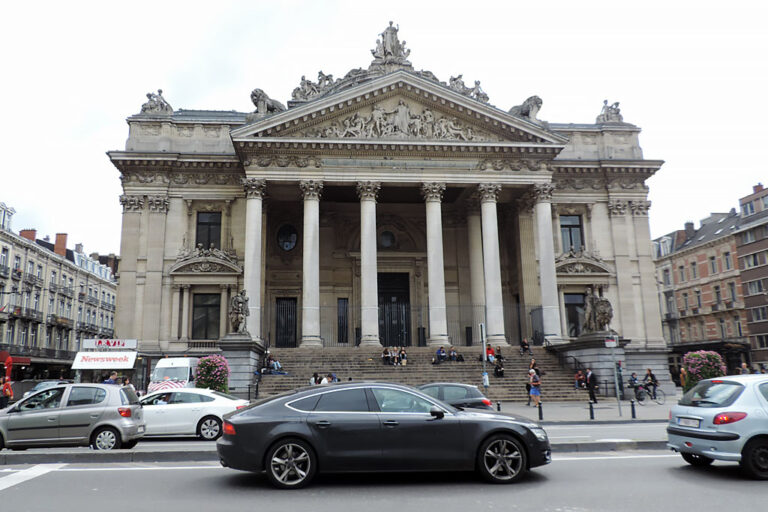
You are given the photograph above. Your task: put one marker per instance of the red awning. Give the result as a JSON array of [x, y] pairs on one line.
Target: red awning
[[21, 361]]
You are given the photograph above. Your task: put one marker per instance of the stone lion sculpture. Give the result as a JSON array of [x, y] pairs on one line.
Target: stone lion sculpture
[[603, 314], [264, 104], [529, 109]]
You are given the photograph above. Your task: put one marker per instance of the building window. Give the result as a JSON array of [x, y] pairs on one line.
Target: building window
[[681, 270], [762, 341], [31, 267], [571, 231], [23, 336], [718, 295], [694, 270], [342, 320], [666, 277], [737, 325], [751, 261], [723, 329], [698, 298], [732, 291], [748, 208], [760, 314], [748, 237], [4, 257], [712, 265], [9, 333], [754, 287], [209, 229], [685, 301], [574, 312], [16, 263], [727, 260], [206, 310], [702, 329], [33, 336]]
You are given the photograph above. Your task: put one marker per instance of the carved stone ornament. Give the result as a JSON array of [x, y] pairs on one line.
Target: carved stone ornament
[[264, 104], [543, 191], [254, 187], [132, 203], [368, 190], [284, 161], [581, 262], [528, 110], [308, 89], [456, 83], [488, 192], [639, 208], [389, 50], [185, 253], [238, 311], [617, 207], [156, 104], [595, 183], [523, 164], [399, 122], [433, 191], [158, 204], [610, 113], [598, 312], [311, 189]]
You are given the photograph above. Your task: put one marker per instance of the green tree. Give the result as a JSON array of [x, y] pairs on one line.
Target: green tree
[[701, 365], [213, 373]]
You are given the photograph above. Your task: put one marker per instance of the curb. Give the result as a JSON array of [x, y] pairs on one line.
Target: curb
[[127, 456], [599, 422]]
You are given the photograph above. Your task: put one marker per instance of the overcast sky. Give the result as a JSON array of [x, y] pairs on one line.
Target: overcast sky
[[692, 75]]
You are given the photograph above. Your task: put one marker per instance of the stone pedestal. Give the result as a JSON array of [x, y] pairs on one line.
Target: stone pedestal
[[244, 356]]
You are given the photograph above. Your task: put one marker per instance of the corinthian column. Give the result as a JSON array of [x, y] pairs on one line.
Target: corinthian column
[[254, 193], [369, 294], [477, 279], [310, 307], [494, 305], [438, 324], [548, 279]]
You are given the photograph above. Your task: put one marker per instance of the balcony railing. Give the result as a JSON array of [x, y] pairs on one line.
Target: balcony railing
[[87, 327], [81, 296], [671, 316], [93, 301], [716, 307], [53, 287], [35, 351], [107, 305], [60, 321], [5, 270], [16, 273], [107, 333], [29, 314], [67, 290], [33, 280], [683, 312]]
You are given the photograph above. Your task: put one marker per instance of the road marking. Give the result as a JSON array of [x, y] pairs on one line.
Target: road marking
[[614, 457], [633, 426], [568, 437], [142, 468], [27, 474]]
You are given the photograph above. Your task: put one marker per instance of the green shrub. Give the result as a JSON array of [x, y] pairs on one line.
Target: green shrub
[[213, 373], [702, 365]]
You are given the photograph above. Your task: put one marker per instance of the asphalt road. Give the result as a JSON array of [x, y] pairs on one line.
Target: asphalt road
[[624, 481]]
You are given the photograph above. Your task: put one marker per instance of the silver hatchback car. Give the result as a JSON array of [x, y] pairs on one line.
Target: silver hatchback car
[[723, 419], [104, 416]]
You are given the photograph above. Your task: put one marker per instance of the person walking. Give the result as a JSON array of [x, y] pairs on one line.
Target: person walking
[[112, 379], [535, 392], [592, 385], [6, 392]]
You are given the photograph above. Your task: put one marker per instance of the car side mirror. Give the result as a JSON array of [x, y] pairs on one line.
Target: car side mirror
[[437, 412]]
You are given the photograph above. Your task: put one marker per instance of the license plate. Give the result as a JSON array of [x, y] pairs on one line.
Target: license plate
[[688, 422], [141, 429]]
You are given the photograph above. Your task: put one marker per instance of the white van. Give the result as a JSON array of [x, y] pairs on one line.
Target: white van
[[173, 372]]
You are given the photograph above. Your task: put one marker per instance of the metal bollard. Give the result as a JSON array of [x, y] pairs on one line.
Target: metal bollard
[[541, 412], [498, 406], [632, 406], [591, 411]]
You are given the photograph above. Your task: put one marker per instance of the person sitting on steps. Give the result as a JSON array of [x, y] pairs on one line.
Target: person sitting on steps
[[525, 347]]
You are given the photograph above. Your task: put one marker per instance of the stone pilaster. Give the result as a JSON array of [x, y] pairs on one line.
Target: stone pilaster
[[548, 277], [369, 296], [438, 323], [310, 308], [254, 193], [494, 303], [476, 274]]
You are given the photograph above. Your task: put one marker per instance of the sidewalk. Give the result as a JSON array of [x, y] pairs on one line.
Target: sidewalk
[[605, 411]]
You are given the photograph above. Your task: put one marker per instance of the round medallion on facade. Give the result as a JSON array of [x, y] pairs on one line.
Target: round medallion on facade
[[287, 237], [387, 240]]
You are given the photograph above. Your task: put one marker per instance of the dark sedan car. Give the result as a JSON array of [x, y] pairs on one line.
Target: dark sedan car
[[364, 427], [462, 396]]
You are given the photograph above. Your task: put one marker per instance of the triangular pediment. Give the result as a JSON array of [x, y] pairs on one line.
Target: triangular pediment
[[398, 107], [582, 263]]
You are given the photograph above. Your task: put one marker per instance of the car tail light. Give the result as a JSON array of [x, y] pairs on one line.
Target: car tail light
[[239, 407], [125, 412], [229, 428], [487, 402], [729, 417]]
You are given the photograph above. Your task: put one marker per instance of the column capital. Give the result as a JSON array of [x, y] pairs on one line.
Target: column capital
[[543, 192], [639, 208], [223, 287], [617, 207], [185, 286], [432, 191], [311, 189], [488, 192], [132, 203], [255, 188], [158, 204], [368, 189]]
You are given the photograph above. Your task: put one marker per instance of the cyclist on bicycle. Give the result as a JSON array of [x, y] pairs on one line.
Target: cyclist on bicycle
[[650, 382], [633, 383]]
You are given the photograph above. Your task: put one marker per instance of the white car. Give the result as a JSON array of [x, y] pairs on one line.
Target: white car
[[187, 411]]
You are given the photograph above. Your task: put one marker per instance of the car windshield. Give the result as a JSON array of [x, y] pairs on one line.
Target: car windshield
[[170, 373], [43, 385], [712, 393]]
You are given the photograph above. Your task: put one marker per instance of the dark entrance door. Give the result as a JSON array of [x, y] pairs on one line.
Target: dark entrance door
[[285, 329], [394, 309]]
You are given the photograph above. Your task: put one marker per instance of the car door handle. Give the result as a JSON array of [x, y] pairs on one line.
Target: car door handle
[[323, 424], [94, 416], [53, 418], [391, 423]]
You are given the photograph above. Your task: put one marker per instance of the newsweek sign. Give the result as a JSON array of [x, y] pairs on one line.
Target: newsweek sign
[[109, 344], [104, 360]]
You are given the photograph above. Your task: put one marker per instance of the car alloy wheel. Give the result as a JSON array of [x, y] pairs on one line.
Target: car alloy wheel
[[209, 428], [754, 459], [697, 460], [106, 439], [501, 459], [290, 464]]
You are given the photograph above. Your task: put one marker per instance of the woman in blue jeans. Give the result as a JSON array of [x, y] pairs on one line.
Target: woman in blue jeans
[[535, 381]]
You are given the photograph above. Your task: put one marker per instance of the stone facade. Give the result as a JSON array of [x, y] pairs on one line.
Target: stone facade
[[384, 207]]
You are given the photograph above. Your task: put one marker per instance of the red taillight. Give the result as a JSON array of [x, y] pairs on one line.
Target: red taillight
[[239, 407], [229, 428], [125, 412], [487, 402], [670, 415], [729, 417]]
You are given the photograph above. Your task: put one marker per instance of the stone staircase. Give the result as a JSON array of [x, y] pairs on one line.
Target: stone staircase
[[364, 364]]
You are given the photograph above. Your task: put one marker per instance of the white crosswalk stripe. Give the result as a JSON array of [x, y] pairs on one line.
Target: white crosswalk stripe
[[27, 474]]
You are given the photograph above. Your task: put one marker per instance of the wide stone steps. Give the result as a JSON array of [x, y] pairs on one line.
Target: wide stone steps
[[365, 365]]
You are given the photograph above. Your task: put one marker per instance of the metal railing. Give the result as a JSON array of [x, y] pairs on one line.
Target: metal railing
[[93, 301], [33, 280], [16, 273], [29, 314], [5, 270], [107, 305], [60, 321]]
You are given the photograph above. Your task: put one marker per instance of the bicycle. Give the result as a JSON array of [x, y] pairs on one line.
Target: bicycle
[[641, 394]]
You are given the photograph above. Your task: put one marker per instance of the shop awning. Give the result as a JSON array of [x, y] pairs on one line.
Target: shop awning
[[123, 360]]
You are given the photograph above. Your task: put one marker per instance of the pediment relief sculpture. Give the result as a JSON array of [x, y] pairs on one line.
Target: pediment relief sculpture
[[202, 259], [581, 262], [400, 121]]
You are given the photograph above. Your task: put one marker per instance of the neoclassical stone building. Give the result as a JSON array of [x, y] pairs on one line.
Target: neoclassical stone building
[[385, 207]]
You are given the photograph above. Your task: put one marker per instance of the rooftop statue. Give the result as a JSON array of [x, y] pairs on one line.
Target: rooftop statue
[[264, 104], [610, 113], [156, 104], [389, 49], [528, 110]]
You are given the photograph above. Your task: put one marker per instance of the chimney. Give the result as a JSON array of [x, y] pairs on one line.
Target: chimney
[[757, 188], [60, 247], [29, 234], [689, 231], [46, 238]]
